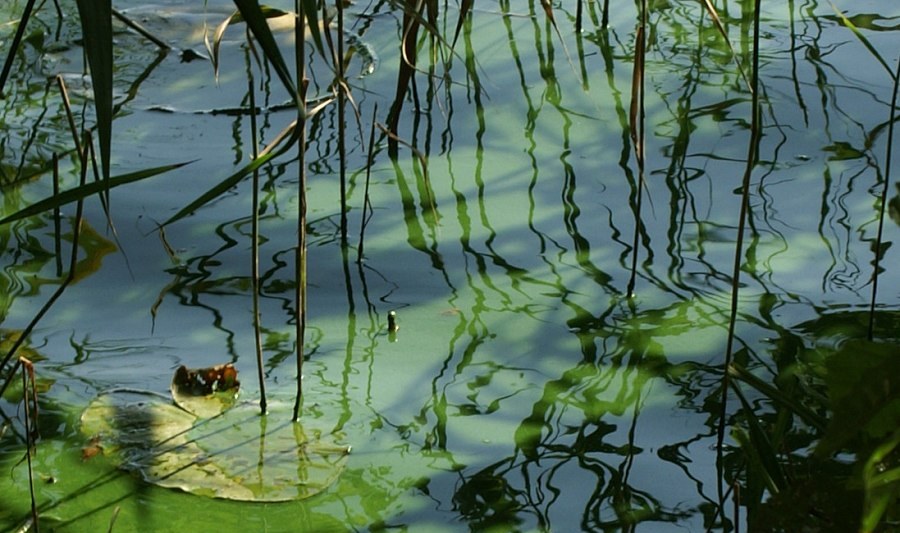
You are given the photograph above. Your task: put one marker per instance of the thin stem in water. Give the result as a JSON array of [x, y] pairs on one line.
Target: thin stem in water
[[752, 155], [300, 262], [884, 201], [254, 248]]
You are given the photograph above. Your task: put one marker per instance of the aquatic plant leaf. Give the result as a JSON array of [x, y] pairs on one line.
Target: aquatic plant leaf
[[862, 38], [775, 394], [134, 420], [205, 392], [758, 448], [285, 139], [882, 483], [253, 15], [96, 25], [238, 455], [464, 8], [862, 379], [83, 191], [235, 18], [843, 151]]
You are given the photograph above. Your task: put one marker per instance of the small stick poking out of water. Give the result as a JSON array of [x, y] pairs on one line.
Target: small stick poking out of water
[[392, 322]]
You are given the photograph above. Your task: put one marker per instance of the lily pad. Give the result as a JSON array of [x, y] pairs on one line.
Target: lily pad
[[238, 455]]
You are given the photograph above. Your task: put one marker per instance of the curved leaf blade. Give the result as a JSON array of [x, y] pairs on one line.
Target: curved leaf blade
[[81, 192], [96, 28]]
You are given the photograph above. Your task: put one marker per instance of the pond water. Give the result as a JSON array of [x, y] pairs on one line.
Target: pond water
[[524, 390]]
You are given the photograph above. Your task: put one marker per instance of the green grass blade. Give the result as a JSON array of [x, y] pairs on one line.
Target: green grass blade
[[83, 191], [464, 9], [96, 27], [311, 13], [255, 18], [14, 47], [862, 38], [286, 139]]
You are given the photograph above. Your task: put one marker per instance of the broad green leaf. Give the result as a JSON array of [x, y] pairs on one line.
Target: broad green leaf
[[238, 455], [81, 192]]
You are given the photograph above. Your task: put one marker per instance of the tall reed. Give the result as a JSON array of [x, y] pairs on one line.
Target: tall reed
[[883, 201], [637, 118], [300, 259], [254, 244], [14, 44], [751, 159]]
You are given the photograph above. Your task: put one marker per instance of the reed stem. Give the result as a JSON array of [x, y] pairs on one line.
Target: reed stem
[[637, 137], [300, 262], [342, 111], [30, 403], [884, 202], [14, 46], [752, 155], [367, 204], [254, 248]]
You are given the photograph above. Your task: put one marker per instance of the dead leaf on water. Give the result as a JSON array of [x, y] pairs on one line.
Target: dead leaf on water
[[205, 392]]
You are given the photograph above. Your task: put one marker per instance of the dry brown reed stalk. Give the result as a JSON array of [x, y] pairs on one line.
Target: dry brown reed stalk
[[300, 261], [104, 196], [637, 118], [752, 156], [254, 245], [70, 117], [548, 11]]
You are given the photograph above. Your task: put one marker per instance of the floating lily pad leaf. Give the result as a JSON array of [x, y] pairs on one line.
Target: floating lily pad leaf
[[127, 420], [238, 455], [205, 392]]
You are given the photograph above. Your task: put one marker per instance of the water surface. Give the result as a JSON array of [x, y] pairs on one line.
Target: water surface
[[524, 390]]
